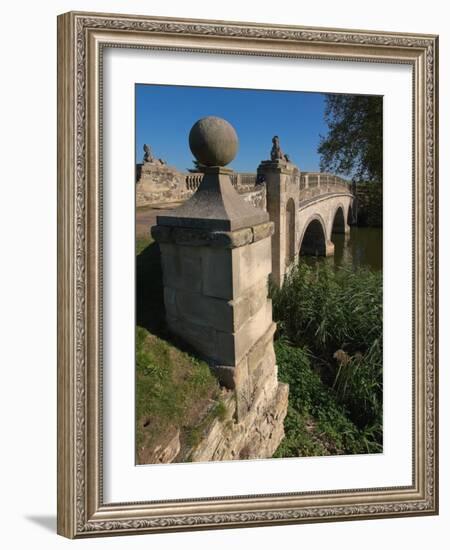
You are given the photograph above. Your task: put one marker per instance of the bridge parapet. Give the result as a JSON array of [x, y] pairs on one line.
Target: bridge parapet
[[242, 181], [321, 179], [313, 184]]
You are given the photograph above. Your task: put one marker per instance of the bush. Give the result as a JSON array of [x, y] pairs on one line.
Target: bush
[[329, 309], [316, 422], [332, 319]]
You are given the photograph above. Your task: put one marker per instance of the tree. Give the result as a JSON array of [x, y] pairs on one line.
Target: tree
[[354, 144]]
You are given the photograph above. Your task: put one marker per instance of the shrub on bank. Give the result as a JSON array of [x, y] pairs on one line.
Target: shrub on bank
[[330, 352]]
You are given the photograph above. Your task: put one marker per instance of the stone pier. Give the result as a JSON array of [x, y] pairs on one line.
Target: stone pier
[[216, 259], [282, 196]]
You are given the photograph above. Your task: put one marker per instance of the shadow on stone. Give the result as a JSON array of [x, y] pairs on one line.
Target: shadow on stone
[[150, 312]]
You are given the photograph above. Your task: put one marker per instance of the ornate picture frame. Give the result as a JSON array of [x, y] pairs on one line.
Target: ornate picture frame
[[82, 38]]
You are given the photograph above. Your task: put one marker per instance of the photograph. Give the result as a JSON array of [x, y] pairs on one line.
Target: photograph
[[247, 274], [259, 274]]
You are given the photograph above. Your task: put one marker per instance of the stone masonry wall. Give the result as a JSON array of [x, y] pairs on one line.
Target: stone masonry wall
[[215, 293], [159, 184]]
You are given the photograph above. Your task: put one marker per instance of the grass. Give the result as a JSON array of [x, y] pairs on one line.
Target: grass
[[329, 350], [330, 309], [173, 391]]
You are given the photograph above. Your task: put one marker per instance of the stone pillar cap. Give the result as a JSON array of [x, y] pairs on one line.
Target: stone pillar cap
[[278, 164], [216, 206]]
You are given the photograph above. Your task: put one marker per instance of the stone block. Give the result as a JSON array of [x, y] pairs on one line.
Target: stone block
[[261, 348], [170, 302], [251, 331], [200, 337], [171, 265], [232, 347], [242, 390], [249, 303], [161, 234], [264, 379], [190, 237], [263, 230], [204, 310], [217, 272], [251, 264], [232, 239]]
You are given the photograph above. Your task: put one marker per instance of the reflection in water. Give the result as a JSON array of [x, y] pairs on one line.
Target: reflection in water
[[362, 248]]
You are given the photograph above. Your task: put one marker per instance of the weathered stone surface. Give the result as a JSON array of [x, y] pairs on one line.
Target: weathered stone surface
[[217, 273], [182, 267], [248, 303], [251, 264], [282, 189], [200, 337], [243, 390], [161, 234], [196, 308], [201, 237], [160, 184], [190, 237], [231, 347], [232, 239], [280, 166], [263, 230], [165, 451], [216, 206], [257, 435], [263, 346], [213, 141], [256, 198]]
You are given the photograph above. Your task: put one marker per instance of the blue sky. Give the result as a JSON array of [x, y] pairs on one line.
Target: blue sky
[[165, 115]]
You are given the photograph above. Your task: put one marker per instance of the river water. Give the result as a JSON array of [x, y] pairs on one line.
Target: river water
[[362, 248]]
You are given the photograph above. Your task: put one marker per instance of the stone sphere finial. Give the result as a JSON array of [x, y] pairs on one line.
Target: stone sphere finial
[[213, 141]]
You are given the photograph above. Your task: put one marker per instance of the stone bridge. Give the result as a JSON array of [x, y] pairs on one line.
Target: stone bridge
[[217, 251], [307, 209]]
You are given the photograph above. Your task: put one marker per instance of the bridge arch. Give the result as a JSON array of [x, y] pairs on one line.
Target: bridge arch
[[313, 241], [338, 224], [290, 231]]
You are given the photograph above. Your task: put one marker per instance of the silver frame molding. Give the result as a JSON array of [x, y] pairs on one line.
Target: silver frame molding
[[81, 38]]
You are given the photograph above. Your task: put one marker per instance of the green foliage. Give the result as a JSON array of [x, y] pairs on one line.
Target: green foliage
[[370, 204], [354, 144], [329, 309], [331, 319], [220, 410], [316, 423], [170, 385]]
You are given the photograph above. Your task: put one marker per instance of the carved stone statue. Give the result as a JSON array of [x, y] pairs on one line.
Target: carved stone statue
[[276, 153], [148, 157]]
